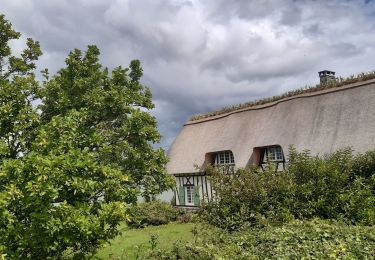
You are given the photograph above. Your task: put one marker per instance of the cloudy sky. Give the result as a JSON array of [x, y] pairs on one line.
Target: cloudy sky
[[201, 55]]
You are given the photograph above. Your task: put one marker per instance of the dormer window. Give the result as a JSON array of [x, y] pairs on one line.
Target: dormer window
[[224, 158], [273, 154], [263, 156]]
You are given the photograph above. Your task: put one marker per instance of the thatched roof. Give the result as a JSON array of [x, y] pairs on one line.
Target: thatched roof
[[321, 121], [339, 82]]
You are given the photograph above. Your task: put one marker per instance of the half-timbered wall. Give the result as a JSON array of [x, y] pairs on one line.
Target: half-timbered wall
[[199, 182]]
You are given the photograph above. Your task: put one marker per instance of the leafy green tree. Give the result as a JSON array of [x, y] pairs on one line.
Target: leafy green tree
[[18, 89], [69, 166]]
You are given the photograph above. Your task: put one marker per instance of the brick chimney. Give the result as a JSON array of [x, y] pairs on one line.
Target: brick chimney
[[326, 76]]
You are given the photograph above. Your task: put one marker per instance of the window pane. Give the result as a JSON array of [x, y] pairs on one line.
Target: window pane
[[189, 194], [221, 158], [224, 158], [279, 154], [273, 153]]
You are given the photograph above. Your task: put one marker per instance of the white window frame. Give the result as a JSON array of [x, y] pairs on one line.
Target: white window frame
[[224, 158], [273, 154], [189, 195]]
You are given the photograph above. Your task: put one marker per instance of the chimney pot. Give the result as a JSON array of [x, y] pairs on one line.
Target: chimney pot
[[326, 76]]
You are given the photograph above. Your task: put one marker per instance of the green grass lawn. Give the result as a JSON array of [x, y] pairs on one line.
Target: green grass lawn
[[132, 241]]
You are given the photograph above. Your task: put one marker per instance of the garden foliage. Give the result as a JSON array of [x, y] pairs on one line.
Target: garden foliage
[[152, 213], [337, 186], [69, 165], [318, 208], [308, 239]]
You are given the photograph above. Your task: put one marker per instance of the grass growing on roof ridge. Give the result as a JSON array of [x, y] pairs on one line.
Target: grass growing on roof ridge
[[307, 89]]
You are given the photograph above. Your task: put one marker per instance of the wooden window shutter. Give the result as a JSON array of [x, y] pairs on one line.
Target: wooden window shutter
[[181, 195], [196, 196]]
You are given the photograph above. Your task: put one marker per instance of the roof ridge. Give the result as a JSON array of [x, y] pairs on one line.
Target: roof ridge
[[338, 83]]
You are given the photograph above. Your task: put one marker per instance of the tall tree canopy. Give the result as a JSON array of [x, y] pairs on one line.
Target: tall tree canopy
[[69, 166]]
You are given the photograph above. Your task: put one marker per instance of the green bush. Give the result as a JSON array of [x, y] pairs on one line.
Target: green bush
[[247, 197], [336, 186], [152, 213], [185, 217], [358, 202], [340, 185], [313, 239], [318, 183]]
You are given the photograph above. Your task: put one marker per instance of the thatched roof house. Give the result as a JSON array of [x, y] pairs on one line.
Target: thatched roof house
[[323, 120]]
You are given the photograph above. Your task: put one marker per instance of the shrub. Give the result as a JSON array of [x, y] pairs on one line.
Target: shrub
[[185, 218], [152, 213], [340, 185], [358, 202], [318, 183], [246, 197], [336, 186], [313, 239]]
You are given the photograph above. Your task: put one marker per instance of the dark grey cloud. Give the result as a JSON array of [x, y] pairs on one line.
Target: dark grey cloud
[[312, 31], [291, 15], [223, 10], [203, 55]]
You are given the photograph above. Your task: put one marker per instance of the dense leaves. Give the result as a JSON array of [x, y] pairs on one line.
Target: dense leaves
[[313, 239], [152, 213], [114, 117], [69, 166], [337, 186]]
